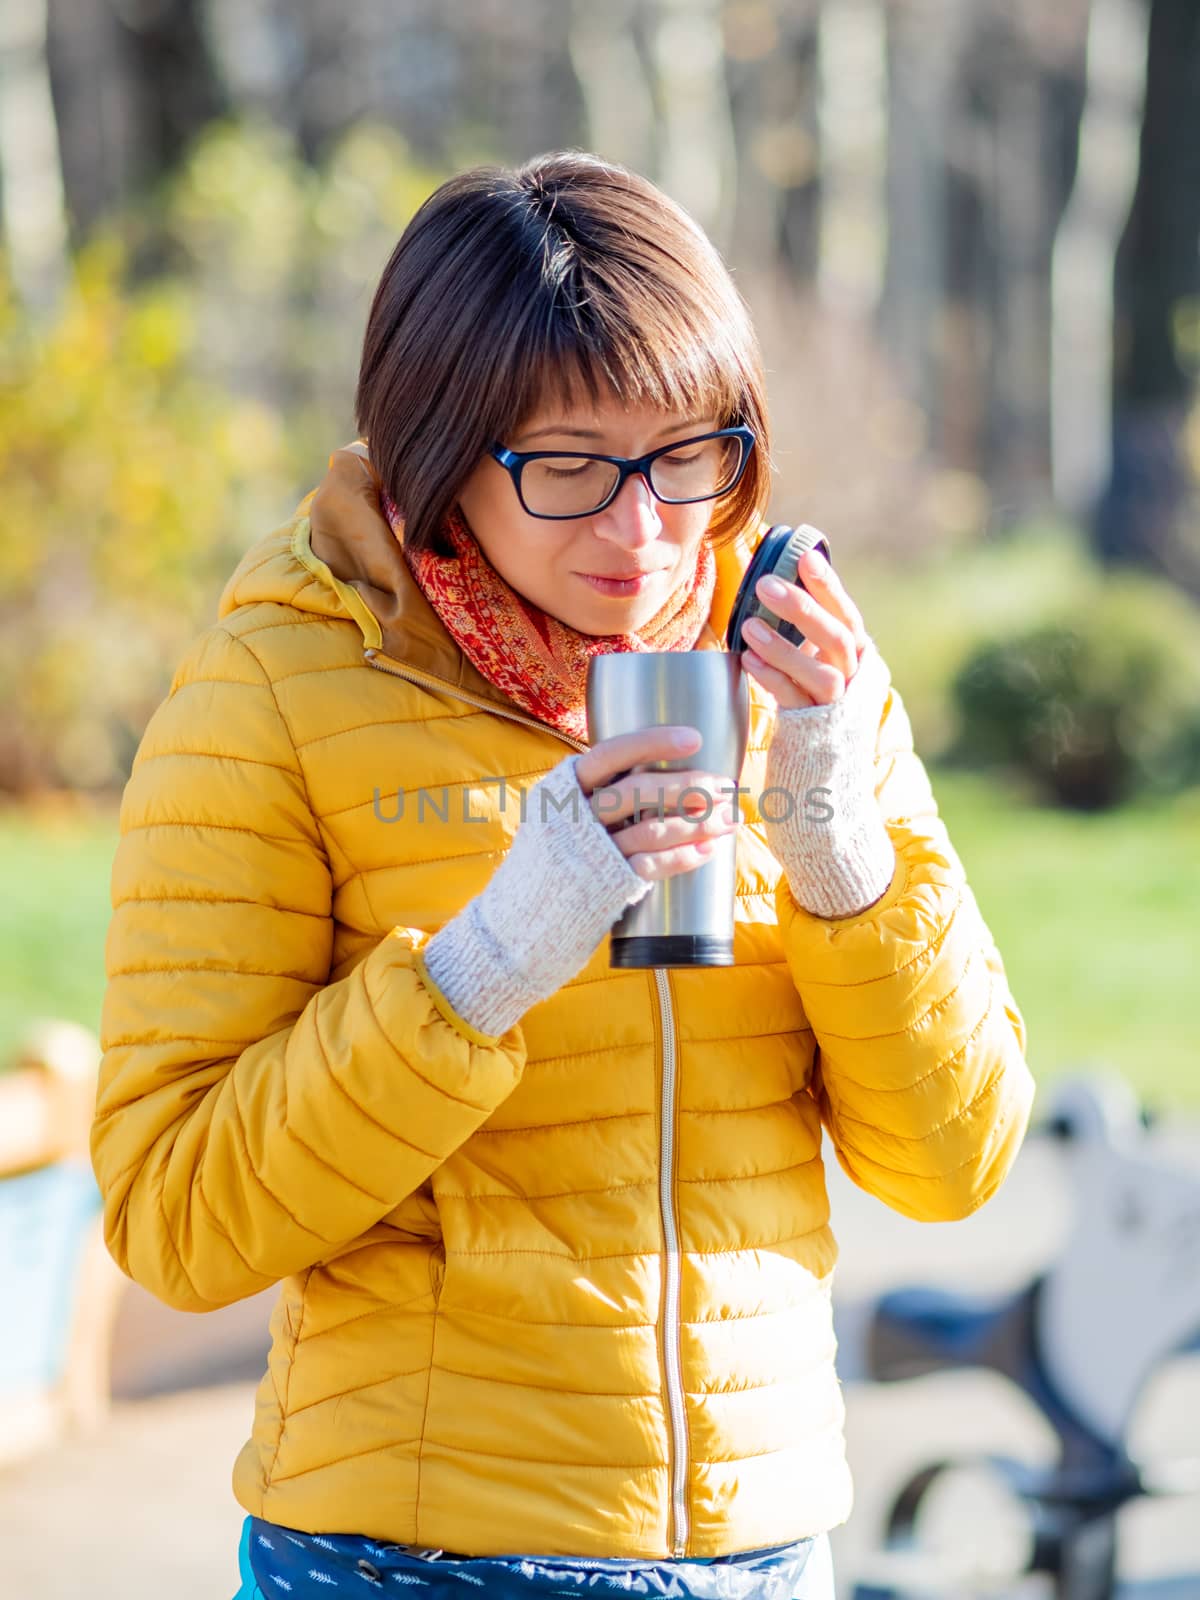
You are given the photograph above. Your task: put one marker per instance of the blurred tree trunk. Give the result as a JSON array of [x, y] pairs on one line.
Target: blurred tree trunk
[[1011, 165], [166, 44], [607, 54], [796, 157], [93, 100], [771, 79], [920, 112], [1019, 402], [131, 87], [538, 101], [314, 68], [852, 56], [697, 164], [474, 82], [1085, 253], [32, 203], [1156, 334], [256, 54]]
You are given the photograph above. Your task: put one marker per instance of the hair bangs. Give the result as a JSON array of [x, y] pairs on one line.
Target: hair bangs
[[645, 353]]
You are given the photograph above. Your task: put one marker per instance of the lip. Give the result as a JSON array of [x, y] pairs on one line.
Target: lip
[[619, 584]]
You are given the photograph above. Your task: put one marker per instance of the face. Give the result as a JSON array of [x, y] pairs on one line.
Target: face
[[556, 565]]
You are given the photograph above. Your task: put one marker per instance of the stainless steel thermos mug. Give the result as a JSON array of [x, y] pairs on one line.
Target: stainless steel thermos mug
[[688, 920]]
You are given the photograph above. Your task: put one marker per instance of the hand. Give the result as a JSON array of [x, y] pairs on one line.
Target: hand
[[562, 886], [699, 807], [817, 671]]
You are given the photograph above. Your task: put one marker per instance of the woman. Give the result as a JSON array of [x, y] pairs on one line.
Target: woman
[[552, 1238]]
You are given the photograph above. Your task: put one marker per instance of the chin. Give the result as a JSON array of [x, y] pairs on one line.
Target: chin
[[614, 618], [603, 614]]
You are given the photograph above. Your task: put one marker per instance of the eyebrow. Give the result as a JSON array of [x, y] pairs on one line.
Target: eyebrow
[[591, 433]]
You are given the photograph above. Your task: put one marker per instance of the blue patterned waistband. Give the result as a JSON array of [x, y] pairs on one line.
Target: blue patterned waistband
[[286, 1561]]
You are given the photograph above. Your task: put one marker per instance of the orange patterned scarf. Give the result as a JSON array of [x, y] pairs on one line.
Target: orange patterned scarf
[[537, 661]]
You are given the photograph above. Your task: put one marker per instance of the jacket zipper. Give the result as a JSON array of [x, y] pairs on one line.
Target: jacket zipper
[[672, 1363], [426, 680]]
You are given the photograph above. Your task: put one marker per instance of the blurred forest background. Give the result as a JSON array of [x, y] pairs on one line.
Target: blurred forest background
[[969, 233]]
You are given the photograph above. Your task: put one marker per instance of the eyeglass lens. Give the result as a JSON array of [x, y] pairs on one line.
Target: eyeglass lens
[[563, 486]]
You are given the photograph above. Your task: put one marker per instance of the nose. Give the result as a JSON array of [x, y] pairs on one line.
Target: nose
[[632, 520]]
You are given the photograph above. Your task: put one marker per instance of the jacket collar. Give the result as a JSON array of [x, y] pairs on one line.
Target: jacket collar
[[352, 566]]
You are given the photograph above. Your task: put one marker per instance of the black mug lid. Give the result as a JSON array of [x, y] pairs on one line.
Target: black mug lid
[[780, 551]]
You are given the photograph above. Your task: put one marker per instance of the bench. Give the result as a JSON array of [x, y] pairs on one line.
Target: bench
[[59, 1287]]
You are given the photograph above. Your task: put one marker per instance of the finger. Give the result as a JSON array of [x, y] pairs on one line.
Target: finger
[[824, 582], [359, 449], [793, 604], [819, 679], [824, 683], [783, 690], [665, 833], [658, 864], [659, 792], [625, 750]]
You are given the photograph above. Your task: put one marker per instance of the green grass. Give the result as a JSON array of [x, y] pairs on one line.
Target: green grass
[[1097, 918], [56, 911]]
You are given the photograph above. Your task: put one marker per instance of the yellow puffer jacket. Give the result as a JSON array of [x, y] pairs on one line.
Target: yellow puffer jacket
[[564, 1291]]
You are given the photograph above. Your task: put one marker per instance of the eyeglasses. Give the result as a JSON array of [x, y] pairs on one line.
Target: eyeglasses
[[558, 484]]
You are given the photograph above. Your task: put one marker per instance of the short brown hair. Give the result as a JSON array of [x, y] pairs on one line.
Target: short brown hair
[[512, 287]]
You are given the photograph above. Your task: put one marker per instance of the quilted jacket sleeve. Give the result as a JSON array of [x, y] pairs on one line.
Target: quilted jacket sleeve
[[252, 1116], [920, 1074]]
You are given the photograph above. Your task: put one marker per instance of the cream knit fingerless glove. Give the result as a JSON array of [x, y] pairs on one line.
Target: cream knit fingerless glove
[[841, 866], [552, 899]]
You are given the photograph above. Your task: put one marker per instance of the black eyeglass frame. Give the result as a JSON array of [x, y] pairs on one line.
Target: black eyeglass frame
[[514, 460]]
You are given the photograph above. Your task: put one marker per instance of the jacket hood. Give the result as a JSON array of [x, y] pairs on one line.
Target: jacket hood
[[338, 557]]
